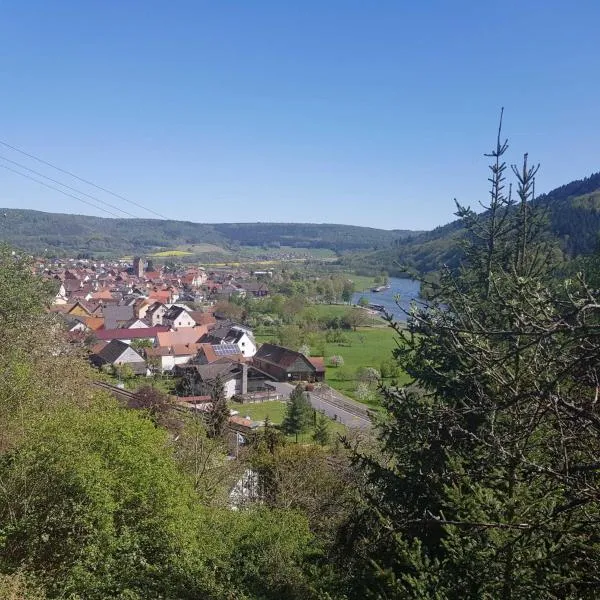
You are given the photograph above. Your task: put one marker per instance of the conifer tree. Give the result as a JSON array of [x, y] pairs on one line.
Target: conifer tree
[[321, 434], [487, 483], [218, 417], [299, 412]]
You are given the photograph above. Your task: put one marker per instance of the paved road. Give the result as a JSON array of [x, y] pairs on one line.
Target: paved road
[[333, 411]]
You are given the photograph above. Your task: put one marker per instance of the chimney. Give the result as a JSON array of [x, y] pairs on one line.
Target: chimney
[[244, 378]]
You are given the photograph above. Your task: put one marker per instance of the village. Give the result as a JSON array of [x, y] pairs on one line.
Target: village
[[137, 321]]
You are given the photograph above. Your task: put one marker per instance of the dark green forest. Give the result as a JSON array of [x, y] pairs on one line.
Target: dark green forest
[[572, 214], [37, 231]]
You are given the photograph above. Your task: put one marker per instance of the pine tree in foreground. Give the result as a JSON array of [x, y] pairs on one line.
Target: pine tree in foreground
[[487, 485]]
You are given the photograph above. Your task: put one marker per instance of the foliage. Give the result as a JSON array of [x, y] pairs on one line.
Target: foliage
[[299, 413], [486, 484], [205, 461], [73, 234], [92, 503], [368, 375], [336, 360], [158, 405], [218, 416], [321, 434]]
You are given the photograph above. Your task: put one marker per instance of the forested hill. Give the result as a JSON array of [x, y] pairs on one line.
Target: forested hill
[[37, 231], [573, 214]]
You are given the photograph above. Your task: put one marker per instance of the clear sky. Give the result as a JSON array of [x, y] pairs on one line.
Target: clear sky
[[342, 111]]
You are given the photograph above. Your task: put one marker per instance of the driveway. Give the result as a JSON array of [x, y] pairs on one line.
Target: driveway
[[331, 406]]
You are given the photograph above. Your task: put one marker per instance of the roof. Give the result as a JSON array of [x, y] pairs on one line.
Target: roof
[[174, 312], [280, 356], [94, 323], [129, 334], [202, 318], [115, 315], [114, 350], [318, 362], [176, 350], [215, 352], [242, 422], [184, 335], [211, 372]]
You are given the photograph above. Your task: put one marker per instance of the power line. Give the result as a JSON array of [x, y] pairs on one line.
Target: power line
[[61, 191], [67, 186], [107, 191]]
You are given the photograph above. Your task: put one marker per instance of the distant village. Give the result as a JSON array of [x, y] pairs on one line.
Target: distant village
[[135, 318]]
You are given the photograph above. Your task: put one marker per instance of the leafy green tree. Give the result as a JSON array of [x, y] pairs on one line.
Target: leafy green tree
[[322, 434], [347, 291], [158, 405], [363, 301], [218, 416], [484, 486], [92, 503], [356, 317], [205, 461], [298, 414]]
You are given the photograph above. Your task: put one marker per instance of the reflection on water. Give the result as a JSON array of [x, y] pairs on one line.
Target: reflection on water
[[408, 289]]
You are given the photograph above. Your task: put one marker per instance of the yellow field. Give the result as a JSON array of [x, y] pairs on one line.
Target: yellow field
[[172, 253]]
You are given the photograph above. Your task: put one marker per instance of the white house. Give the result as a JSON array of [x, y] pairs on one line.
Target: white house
[[168, 357], [155, 313], [177, 317], [234, 334]]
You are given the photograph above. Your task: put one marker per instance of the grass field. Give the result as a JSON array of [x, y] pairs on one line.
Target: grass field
[[202, 249], [318, 253], [275, 410], [339, 310], [367, 347], [361, 282]]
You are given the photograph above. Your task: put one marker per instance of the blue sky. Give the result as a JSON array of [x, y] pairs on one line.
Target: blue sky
[[339, 111]]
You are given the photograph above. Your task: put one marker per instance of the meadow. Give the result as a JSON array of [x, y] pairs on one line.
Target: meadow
[[275, 411]]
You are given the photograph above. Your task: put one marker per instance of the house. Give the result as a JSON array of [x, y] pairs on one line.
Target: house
[[155, 313], [237, 377], [128, 335], [286, 365], [135, 323], [167, 357], [116, 316], [210, 353], [61, 295], [233, 334], [118, 353], [79, 310], [186, 335], [258, 289], [177, 316]]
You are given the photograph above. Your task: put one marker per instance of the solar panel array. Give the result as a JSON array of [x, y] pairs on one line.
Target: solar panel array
[[226, 349]]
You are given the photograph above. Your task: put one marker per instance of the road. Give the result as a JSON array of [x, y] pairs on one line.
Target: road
[[331, 407]]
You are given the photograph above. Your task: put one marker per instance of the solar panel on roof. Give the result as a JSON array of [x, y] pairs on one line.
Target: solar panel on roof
[[226, 349]]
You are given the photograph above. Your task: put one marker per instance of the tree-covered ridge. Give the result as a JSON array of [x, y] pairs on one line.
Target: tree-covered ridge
[[37, 231], [573, 216]]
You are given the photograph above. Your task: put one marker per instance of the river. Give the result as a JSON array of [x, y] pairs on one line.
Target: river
[[407, 289]]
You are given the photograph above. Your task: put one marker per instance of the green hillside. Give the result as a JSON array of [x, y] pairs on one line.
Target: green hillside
[[573, 216], [37, 231]]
